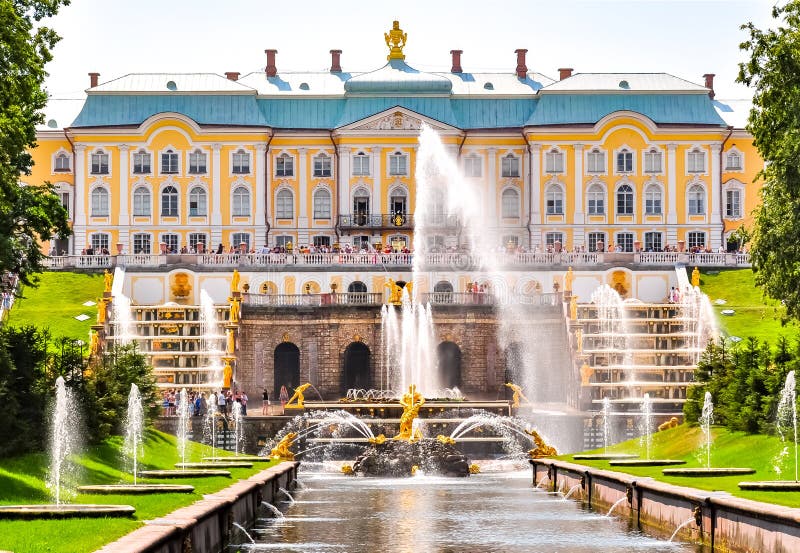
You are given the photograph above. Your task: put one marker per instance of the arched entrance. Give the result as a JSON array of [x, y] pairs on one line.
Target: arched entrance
[[357, 292], [287, 368], [443, 292], [356, 372], [449, 356]]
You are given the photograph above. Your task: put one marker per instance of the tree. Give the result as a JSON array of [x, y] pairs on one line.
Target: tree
[[30, 214], [773, 70]]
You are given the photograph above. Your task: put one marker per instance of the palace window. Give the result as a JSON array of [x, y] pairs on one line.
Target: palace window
[[360, 165], [141, 163], [169, 163], [241, 202], [65, 202], [62, 164], [696, 161], [196, 238], [100, 241], [241, 163], [554, 200], [733, 161], [142, 243], [437, 210], [624, 161], [733, 204], [141, 202], [596, 161], [284, 204], [551, 238], [472, 166], [652, 200], [239, 238], [322, 166], [322, 204], [625, 241], [596, 198], [397, 201], [171, 242], [554, 161], [652, 161], [320, 241], [398, 164], [169, 202], [284, 166], [510, 203], [99, 163], [283, 241], [100, 203], [696, 239], [597, 241], [509, 166], [652, 241], [197, 163], [625, 200], [510, 240], [198, 202], [697, 200]]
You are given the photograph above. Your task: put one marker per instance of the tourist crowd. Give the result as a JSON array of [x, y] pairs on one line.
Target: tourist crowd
[[198, 402]]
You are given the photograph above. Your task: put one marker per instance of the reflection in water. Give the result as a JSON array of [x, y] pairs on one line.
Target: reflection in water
[[487, 513]]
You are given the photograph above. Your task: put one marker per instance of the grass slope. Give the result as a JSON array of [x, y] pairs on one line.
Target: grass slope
[[56, 303], [730, 449], [23, 480], [754, 315]]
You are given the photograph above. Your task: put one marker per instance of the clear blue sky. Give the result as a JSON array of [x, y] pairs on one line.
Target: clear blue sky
[[686, 38]]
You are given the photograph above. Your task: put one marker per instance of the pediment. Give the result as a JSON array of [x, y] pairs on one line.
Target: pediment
[[398, 119]]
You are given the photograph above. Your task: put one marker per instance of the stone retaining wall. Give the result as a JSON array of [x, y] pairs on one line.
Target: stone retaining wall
[[206, 526], [726, 523]]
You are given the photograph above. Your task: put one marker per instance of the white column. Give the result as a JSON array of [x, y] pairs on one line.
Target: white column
[[672, 196], [492, 217], [343, 181], [578, 217], [536, 193], [216, 197], [302, 212], [377, 197], [260, 238], [716, 211], [79, 217], [124, 196]]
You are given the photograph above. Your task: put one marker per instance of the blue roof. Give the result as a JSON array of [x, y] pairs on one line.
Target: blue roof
[[396, 77], [123, 109], [563, 109]]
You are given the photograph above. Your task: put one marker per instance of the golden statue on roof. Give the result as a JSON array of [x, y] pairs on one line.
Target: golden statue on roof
[[395, 40]]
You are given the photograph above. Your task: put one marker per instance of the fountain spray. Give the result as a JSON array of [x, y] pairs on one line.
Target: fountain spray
[[787, 415], [183, 423], [134, 429], [706, 420], [62, 436]]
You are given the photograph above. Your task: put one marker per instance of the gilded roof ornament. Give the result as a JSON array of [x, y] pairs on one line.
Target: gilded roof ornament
[[396, 41]]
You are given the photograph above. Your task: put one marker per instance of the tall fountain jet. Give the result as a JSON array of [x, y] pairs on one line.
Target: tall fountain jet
[[212, 343], [63, 437]]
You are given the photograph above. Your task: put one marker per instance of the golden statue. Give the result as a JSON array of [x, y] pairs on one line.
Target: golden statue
[[474, 469], [696, 277], [579, 340], [569, 278], [181, 288], [231, 342], [541, 449], [396, 292], [377, 440], [347, 469], [235, 281], [447, 440], [108, 278], [227, 374], [296, 401], [517, 394], [671, 423], [94, 345], [281, 450], [411, 402], [573, 307], [586, 374], [101, 311], [395, 40], [234, 310]]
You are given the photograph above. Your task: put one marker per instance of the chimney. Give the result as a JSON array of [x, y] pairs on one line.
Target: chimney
[[232, 75], [564, 73], [709, 77], [456, 61], [271, 69], [522, 69], [93, 78], [336, 64]]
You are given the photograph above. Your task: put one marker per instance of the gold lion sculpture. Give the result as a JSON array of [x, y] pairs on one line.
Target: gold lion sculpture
[[671, 423], [281, 450], [541, 449]]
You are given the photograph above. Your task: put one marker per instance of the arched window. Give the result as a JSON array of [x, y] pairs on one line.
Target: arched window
[[652, 200], [509, 166], [197, 163], [596, 161], [100, 202], [624, 161], [241, 162], [141, 163], [141, 202], [733, 161], [397, 201], [554, 198], [241, 202], [443, 292], [360, 164], [99, 163], [625, 200], [696, 161], [322, 166], [697, 200], [284, 204], [198, 202], [361, 207], [322, 204], [510, 203], [169, 202], [284, 166], [357, 292], [596, 200], [169, 163], [62, 163], [398, 164]]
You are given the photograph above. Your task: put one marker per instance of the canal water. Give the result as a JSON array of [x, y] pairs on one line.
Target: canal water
[[485, 513]]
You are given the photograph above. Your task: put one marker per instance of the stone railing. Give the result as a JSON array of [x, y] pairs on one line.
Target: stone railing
[[313, 300], [378, 298]]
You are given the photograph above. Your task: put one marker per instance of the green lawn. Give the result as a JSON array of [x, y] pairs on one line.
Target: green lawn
[[22, 480], [57, 301], [754, 315], [730, 449]]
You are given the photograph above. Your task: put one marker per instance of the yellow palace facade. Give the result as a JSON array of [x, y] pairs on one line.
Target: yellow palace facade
[[195, 162]]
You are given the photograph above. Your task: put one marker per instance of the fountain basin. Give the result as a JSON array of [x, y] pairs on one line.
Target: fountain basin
[[183, 473], [239, 458], [771, 486], [64, 511], [646, 462], [603, 456], [399, 459], [222, 465], [136, 489], [702, 472]]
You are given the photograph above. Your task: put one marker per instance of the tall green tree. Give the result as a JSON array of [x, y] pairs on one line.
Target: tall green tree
[[28, 215], [773, 71]]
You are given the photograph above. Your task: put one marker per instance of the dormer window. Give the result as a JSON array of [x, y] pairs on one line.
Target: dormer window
[[197, 163], [322, 166], [99, 163], [733, 161], [554, 161], [241, 163], [141, 163], [596, 161], [284, 166], [509, 166], [62, 164], [696, 161], [169, 162], [624, 161], [398, 164]]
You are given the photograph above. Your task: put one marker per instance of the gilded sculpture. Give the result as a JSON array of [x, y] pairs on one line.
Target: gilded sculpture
[[541, 449], [281, 450], [108, 279], [396, 41], [298, 398], [517, 394], [569, 278], [411, 403]]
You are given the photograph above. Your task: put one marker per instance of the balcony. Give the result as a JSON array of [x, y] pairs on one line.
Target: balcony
[[384, 221]]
